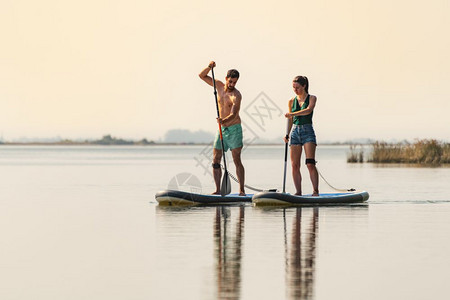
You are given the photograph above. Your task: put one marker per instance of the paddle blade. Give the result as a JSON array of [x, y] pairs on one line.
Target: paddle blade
[[225, 188]]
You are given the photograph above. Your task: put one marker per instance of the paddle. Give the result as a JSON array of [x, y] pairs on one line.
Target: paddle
[[285, 155], [225, 188]]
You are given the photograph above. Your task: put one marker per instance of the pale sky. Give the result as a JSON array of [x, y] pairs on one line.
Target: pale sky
[[82, 69]]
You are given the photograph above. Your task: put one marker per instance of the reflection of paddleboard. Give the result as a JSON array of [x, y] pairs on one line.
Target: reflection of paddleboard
[[271, 198], [173, 197]]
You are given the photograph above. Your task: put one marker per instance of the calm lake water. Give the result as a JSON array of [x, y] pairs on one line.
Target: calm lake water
[[82, 223]]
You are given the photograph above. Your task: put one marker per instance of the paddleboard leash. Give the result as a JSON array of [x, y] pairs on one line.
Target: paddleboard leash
[[275, 190], [248, 186], [336, 189]]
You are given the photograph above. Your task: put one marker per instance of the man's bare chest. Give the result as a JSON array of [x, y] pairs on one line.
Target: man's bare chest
[[226, 99]]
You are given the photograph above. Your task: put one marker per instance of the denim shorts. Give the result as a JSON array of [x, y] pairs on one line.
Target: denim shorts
[[302, 134]]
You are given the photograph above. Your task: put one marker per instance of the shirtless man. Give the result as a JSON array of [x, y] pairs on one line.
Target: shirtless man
[[229, 100]]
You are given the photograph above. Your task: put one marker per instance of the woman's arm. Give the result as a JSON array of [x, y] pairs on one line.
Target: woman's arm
[[306, 111], [289, 120]]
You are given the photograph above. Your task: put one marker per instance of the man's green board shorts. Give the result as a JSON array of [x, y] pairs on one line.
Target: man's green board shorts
[[232, 137]]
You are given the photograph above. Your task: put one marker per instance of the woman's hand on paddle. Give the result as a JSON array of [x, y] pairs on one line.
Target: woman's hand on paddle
[[288, 115], [286, 139]]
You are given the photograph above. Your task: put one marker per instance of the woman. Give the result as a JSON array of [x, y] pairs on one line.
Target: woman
[[300, 115]]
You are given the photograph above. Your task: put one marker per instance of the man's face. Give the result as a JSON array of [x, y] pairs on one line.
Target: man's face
[[231, 82]]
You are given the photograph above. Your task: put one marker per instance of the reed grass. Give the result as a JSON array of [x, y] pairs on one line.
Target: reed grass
[[430, 152], [355, 155]]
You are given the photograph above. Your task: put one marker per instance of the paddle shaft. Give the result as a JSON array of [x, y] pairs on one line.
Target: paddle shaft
[[220, 127]]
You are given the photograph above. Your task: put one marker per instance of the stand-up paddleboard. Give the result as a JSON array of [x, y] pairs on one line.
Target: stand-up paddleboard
[[273, 198], [173, 197]]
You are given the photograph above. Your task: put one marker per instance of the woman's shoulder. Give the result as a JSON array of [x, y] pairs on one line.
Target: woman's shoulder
[[291, 101], [313, 97]]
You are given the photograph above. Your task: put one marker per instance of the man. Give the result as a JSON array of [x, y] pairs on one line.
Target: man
[[229, 101]]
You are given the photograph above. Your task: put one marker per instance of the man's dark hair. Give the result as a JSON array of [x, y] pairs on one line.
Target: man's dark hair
[[233, 73]]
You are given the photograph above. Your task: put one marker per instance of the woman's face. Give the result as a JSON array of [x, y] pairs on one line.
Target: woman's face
[[298, 88]]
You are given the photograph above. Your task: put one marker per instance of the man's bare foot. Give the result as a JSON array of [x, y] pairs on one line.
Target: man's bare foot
[[241, 193], [298, 194], [315, 193], [216, 193]]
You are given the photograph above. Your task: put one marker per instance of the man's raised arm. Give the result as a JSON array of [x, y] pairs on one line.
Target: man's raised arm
[[204, 74]]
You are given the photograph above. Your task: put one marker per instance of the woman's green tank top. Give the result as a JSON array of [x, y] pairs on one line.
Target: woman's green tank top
[[301, 120]]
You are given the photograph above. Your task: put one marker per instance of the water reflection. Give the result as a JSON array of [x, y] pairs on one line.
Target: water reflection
[[295, 254], [228, 252], [301, 257], [299, 245]]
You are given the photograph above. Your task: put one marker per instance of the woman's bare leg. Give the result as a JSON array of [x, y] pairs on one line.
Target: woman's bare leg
[[310, 152], [296, 153]]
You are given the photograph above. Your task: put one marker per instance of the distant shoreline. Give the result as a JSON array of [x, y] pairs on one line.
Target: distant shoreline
[[152, 144], [108, 140]]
